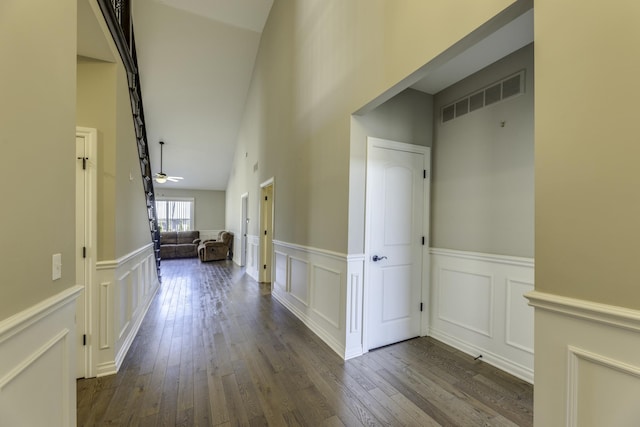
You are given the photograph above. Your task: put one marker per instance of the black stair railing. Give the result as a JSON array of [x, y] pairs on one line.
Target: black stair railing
[[117, 14]]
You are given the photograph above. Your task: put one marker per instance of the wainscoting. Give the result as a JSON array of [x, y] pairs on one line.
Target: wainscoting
[[125, 288], [587, 363], [478, 306], [253, 256], [37, 364], [324, 290]]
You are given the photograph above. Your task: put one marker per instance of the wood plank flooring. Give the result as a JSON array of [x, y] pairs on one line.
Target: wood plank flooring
[[216, 350]]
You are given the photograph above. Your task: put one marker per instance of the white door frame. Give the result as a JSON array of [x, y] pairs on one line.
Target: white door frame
[[244, 224], [426, 270], [90, 225], [262, 276]]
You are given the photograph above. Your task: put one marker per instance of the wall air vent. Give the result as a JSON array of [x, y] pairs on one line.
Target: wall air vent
[[496, 92]]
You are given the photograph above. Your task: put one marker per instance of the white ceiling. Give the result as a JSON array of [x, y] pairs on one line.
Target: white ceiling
[[196, 58]]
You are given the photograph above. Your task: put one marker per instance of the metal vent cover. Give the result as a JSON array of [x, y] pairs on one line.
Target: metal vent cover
[[499, 91]]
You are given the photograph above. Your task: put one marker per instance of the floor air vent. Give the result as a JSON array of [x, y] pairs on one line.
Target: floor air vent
[[496, 92]]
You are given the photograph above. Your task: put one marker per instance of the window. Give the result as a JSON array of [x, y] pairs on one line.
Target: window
[[175, 214]]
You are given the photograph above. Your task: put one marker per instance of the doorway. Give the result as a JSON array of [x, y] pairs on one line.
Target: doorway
[[396, 236], [244, 224], [266, 229], [86, 244]]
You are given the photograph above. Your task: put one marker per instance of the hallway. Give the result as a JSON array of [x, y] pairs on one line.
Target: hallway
[[216, 349]]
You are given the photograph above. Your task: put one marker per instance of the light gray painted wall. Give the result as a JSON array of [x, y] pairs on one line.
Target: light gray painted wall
[[482, 182], [407, 117], [210, 206]]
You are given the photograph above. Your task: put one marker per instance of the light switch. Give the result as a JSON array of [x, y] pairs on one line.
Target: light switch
[[56, 263]]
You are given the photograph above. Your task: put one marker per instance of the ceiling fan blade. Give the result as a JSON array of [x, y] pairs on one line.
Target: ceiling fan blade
[[174, 178]]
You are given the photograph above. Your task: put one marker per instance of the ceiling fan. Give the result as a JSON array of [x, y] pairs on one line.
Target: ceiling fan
[[162, 177]]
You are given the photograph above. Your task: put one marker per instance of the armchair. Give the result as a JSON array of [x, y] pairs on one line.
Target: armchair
[[214, 250]]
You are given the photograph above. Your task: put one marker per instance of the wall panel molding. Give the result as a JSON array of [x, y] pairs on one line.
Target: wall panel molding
[[323, 289], [37, 347], [253, 259], [590, 359], [126, 288], [326, 282], [478, 306]]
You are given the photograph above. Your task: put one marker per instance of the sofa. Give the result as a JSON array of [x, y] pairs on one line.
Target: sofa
[[179, 244], [217, 249]]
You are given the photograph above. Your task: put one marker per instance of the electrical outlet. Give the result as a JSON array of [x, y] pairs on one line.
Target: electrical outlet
[[56, 267]]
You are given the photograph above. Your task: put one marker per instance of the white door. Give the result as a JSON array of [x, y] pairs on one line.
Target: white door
[[396, 188], [266, 231], [86, 238], [243, 229]]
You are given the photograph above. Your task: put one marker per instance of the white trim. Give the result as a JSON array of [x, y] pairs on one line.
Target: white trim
[[90, 220], [264, 252], [36, 345], [602, 313], [290, 268], [503, 308], [314, 306], [334, 344], [333, 331], [308, 249], [485, 257], [488, 333], [120, 317], [508, 317], [18, 322], [397, 146], [112, 264], [356, 257], [26, 363], [574, 354]]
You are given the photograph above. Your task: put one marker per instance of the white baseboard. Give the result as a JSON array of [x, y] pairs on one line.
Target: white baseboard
[[523, 372], [477, 305], [37, 346]]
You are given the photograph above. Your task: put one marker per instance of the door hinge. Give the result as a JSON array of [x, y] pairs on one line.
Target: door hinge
[[421, 306], [424, 173], [265, 232], [422, 240], [266, 198], [84, 252], [84, 162], [264, 267], [84, 339]]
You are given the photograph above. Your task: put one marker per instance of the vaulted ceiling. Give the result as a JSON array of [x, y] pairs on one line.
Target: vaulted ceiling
[[196, 58]]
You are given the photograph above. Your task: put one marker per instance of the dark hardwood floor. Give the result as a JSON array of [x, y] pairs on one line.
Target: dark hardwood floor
[[216, 349]]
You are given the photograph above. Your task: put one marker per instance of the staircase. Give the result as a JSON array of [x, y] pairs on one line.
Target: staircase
[[117, 14]]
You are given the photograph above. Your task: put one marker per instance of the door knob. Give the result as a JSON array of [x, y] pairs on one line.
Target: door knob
[[377, 258]]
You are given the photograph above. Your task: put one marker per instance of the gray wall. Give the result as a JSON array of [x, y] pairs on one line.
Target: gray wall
[[482, 183], [209, 205], [407, 117]]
